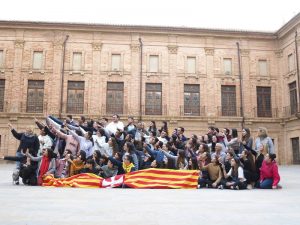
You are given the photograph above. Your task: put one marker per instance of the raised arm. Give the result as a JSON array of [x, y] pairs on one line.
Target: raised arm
[[73, 127], [53, 123], [59, 122], [59, 134], [39, 124], [153, 153], [14, 132], [169, 156], [76, 136]]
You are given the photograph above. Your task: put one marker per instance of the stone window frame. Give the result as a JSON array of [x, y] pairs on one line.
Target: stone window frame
[[83, 53], [292, 54], [43, 62], [4, 50], [159, 54], [122, 55], [258, 74], [232, 65], [197, 60]]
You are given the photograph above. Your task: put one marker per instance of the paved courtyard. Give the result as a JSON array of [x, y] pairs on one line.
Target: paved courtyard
[[20, 205]]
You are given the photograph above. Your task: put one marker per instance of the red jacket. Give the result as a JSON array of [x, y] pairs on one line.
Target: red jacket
[[269, 171]]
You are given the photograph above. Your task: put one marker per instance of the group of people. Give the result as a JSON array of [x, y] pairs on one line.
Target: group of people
[[68, 147]]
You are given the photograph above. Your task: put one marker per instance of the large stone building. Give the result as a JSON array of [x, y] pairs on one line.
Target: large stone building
[[189, 77]]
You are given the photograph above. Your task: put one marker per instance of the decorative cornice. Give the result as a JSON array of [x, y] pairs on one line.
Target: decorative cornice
[[245, 52], [58, 45], [97, 46], [279, 53], [135, 47], [172, 49], [209, 51], [19, 43]]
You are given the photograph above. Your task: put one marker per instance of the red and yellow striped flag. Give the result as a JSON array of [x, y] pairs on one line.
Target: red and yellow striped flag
[[162, 178], [84, 180]]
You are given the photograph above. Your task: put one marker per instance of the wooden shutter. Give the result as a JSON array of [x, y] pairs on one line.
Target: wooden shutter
[[264, 108], [293, 97], [153, 101], [75, 98], [35, 96], [192, 99], [228, 100], [115, 98]]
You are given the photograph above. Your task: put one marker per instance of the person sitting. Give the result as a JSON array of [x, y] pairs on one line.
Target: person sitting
[[236, 174], [77, 164], [89, 167], [109, 170], [269, 176], [46, 165], [214, 173], [128, 165]]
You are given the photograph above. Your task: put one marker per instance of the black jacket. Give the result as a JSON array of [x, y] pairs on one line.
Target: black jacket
[[27, 142]]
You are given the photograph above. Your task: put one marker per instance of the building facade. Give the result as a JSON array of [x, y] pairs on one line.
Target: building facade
[[190, 77]]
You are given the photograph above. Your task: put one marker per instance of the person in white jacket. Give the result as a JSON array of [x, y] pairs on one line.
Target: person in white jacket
[[114, 125], [45, 141]]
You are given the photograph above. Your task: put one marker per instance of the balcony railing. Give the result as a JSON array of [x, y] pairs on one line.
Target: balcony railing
[[192, 111], [273, 113], [234, 112], [291, 110], [114, 109], [154, 110]]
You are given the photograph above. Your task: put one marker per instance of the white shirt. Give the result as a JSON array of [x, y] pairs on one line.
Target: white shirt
[[240, 174], [112, 127], [163, 140]]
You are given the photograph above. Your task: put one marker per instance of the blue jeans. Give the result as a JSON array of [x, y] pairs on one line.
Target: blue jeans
[[18, 163], [266, 184]]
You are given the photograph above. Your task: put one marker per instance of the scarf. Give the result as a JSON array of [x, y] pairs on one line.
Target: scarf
[[43, 169], [127, 168]]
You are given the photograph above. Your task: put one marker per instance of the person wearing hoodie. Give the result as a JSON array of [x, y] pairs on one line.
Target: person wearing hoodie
[[269, 176]]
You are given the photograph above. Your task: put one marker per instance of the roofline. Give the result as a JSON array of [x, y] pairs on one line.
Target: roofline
[[285, 28], [144, 28]]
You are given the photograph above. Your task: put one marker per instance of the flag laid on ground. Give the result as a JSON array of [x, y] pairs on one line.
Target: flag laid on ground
[[84, 180], [149, 178], [162, 178], [112, 182]]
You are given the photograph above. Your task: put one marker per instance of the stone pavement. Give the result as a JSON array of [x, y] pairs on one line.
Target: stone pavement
[[23, 205]]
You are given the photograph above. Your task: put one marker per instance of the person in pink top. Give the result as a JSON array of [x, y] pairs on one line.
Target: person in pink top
[[71, 142], [269, 176]]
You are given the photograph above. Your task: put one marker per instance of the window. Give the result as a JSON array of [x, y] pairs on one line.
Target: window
[[2, 89], [153, 99], [35, 96], [290, 62], [264, 108], [77, 61], [116, 62], [191, 64], [37, 60], [293, 97], [228, 100], [1, 59], [296, 150], [227, 66], [75, 98], [192, 99], [262, 67], [115, 98], [153, 63]]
